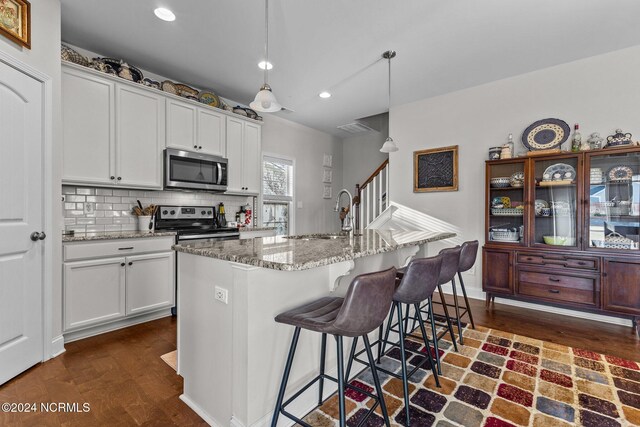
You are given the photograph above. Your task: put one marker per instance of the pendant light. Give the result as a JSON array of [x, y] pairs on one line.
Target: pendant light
[[389, 145], [265, 101]]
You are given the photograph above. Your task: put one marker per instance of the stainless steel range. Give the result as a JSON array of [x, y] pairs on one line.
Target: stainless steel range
[[192, 224]]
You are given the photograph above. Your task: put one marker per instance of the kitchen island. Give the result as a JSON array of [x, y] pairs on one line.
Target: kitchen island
[[231, 352]]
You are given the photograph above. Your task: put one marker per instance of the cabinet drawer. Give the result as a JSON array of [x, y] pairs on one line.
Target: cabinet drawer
[[119, 247], [585, 263], [558, 287]]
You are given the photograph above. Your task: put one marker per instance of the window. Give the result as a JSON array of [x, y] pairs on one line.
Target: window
[[277, 193]]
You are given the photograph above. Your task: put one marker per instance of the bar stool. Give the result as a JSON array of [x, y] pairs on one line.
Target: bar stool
[[417, 284], [467, 260], [362, 310], [448, 270]]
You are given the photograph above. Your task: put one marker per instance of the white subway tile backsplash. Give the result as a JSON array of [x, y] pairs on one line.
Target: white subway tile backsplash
[[113, 207]]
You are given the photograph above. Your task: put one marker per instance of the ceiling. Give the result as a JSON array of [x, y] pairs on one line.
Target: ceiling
[[336, 45]]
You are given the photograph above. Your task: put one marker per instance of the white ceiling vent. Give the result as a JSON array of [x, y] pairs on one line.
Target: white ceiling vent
[[355, 127]]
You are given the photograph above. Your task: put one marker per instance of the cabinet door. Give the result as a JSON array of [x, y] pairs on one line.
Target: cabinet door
[[94, 292], [251, 156], [181, 125], [140, 137], [211, 132], [150, 282], [621, 285], [497, 271], [235, 130], [87, 128]]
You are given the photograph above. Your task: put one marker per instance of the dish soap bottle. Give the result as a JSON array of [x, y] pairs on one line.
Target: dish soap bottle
[[576, 141], [222, 220]]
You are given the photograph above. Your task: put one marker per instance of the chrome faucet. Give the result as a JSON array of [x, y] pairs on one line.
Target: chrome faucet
[[347, 224]]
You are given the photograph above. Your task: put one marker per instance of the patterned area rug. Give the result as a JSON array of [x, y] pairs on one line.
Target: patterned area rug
[[500, 379]]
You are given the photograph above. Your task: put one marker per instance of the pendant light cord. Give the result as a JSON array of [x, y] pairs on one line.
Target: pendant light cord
[[389, 99], [266, 39]]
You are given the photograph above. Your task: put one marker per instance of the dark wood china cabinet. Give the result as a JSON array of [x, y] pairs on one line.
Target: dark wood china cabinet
[[564, 229]]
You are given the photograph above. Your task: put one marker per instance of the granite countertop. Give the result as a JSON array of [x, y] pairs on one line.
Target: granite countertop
[[248, 229], [304, 252], [107, 235]]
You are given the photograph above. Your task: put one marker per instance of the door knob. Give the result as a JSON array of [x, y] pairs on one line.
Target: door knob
[[35, 236]]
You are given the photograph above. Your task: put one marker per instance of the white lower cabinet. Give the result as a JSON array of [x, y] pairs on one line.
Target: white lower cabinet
[[100, 288], [94, 292], [150, 280]]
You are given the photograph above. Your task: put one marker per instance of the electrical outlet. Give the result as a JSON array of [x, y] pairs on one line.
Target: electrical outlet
[[222, 295], [89, 208]]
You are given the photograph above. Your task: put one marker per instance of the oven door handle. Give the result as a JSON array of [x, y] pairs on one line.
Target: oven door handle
[[207, 236], [219, 173]]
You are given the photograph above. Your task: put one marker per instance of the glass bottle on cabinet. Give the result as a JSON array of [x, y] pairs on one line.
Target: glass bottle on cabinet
[[555, 198], [506, 201], [613, 195]]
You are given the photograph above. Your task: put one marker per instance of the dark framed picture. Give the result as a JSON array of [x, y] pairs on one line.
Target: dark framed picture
[[15, 21], [435, 169]]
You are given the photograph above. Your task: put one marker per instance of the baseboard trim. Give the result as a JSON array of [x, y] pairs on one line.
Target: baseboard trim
[[480, 295], [57, 346], [115, 325], [198, 410]]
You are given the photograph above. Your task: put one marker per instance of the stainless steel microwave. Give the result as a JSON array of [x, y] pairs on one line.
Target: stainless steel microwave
[[194, 171]]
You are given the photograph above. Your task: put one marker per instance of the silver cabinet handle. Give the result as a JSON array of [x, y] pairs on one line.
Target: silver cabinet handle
[[35, 236], [219, 173]]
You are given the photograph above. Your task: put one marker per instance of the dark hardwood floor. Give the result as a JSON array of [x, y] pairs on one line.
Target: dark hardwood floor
[[121, 375]]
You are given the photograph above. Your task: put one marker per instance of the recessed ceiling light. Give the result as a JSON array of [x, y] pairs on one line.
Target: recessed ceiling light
[[165, 14], [324, 95], [261, 65]]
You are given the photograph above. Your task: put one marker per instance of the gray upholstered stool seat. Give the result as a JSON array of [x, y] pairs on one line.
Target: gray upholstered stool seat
[[318, 315]]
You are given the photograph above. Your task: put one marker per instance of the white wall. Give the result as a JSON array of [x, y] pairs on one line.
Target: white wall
[[44, 56], [361, 156], [307, 146], [601, 93]]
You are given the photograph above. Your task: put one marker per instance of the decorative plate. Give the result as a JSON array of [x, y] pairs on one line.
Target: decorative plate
[[209, 98], [559, 172], [151, 83], [620, 173], [169, 87], [545, 134], [131, 73], [68, 54], [250, 113], [241, 111], [517, 179], [539, 204], [184, 90]]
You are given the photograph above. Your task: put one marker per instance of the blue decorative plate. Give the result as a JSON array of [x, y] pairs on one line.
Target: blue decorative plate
[[545, 134]]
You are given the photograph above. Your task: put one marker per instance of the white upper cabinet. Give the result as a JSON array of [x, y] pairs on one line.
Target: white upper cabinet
[[140, 137], [193, 128], [181, 125], [88, 130], [211, 132], [244, 152]]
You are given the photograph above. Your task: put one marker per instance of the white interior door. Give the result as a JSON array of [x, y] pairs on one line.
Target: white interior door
[[21, 214]]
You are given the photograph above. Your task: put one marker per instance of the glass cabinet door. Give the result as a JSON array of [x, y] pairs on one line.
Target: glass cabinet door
[[506, 196], [555, 202], [614, 200]]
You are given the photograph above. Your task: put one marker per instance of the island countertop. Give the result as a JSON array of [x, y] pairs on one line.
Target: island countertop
[[293, 253]]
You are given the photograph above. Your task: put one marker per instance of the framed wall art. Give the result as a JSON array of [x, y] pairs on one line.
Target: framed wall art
[[15, 21], [327, 160], [435, 169], [326, 192], [327, 176]]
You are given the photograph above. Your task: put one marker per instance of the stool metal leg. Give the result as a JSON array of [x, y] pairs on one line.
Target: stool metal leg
[[352, 355], [323, 351], [457, 307], [446, 315], [285, 376], [466, 300], [386, 334], [403, 358], [426, 343], [340, 363], [380, 341], [376, 380], [434, 333]]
